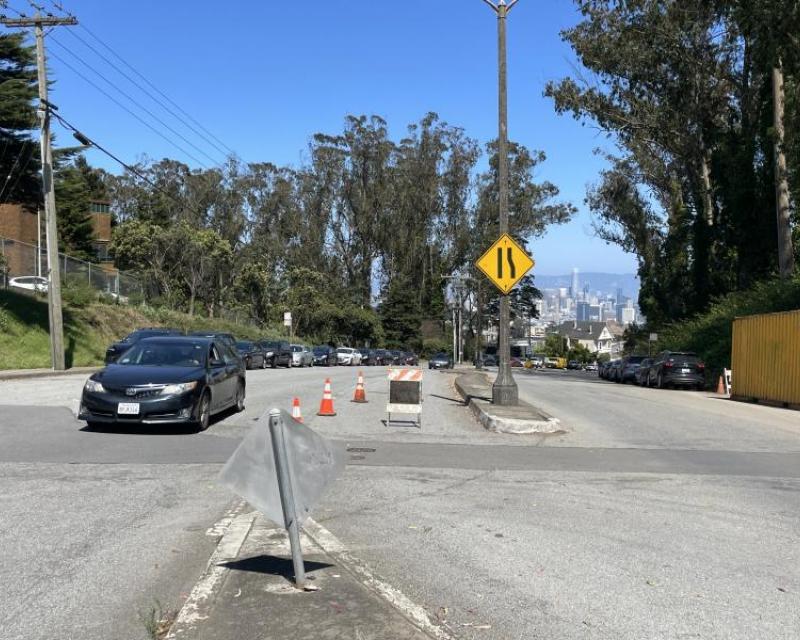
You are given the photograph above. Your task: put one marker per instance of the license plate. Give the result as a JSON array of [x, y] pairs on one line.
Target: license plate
[[128, 408], [686, 370]]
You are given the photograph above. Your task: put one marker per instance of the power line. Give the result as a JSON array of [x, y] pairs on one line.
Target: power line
[[147, 92], [134, 101], [20, 173], [86, 140], [132, 113], [60, 7], [13, 167]]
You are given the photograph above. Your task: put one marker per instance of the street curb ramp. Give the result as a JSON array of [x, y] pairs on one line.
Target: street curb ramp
[[523, 419]]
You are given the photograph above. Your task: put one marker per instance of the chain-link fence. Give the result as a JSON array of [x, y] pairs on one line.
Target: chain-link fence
[[23, 260]]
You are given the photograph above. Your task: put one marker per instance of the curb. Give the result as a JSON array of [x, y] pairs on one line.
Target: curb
[[21, 374], [482, 409]]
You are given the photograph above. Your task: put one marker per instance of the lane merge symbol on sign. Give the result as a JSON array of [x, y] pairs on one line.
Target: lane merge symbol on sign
[[505, 263]]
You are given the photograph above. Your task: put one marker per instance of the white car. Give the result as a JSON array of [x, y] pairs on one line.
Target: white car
[[348, 357], [302, 356], [31, 283]]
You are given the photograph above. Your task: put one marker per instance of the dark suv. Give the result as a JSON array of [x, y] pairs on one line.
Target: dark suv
[[118, 348], [276, 352], [677, 368]]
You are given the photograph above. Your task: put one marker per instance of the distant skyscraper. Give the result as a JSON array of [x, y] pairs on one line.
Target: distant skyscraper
[[576, 285], [619, 295]]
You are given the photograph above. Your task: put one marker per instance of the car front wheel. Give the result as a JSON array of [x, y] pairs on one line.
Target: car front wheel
[[204, 412], [239, 397]]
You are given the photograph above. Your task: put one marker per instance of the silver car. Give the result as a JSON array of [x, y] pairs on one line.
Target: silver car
[[348, 357], [302, 356]]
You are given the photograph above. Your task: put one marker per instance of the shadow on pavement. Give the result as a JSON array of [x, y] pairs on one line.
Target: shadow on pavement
[[458, 401], [272, 565]]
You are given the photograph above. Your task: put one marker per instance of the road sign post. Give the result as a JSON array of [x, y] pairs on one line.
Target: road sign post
[[282, 467], [287, 496], [505, 263]]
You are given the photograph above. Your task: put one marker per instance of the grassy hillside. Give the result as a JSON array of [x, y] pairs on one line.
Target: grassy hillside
[[88, 329]]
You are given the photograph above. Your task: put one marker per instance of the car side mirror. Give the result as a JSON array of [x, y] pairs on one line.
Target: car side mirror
[[216, 364]]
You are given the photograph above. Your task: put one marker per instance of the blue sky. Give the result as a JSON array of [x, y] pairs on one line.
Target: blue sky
[[265, 76]]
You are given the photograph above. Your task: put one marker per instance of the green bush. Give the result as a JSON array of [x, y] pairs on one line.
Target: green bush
[[77, 292], [710, 334], [432, 346]]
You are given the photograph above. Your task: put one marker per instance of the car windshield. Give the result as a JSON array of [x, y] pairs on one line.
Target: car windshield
[[296, 348], [443, 356], [244, 346], [320, 350], [635, 359], [271, 344], [166, 354], [344, 350]]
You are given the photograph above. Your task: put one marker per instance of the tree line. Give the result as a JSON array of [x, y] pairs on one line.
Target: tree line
[[701, 100]]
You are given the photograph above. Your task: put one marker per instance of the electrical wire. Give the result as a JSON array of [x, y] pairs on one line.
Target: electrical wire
[[14, 166], [84, 139], [148, 93], [20, 173], [60, 7], [134, 101], [129, 111]]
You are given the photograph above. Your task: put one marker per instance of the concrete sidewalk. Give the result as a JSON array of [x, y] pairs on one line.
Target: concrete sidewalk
[[476, 389], [247, 592]]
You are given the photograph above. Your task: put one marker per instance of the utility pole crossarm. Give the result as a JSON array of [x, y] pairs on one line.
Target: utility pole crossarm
[[492, 5], [45, 21]]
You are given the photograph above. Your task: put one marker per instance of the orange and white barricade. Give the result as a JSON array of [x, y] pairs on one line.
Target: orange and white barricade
[[405, 393]]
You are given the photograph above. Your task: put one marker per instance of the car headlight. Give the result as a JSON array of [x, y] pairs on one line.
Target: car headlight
[[92, 386], [177, 389]]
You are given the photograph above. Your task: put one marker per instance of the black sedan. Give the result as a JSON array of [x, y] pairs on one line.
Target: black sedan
[[118, 348], [166, 380], [325, 356], [252, 355], [440, 361]]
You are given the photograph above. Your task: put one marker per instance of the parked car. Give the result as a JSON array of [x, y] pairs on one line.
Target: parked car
[[252, 355], [643, 373], [348, 357], [574, 365], [184, 379], [227, 338], [368, 357], [397, 357], [612, 372], [677, 368], [490, 360], [118, 348], [628, 367], [301, 356], [30, 283], [383, 357], [325, 356], [411, 359], [591, 366], [515, 361], [440, 361], [277, 352]]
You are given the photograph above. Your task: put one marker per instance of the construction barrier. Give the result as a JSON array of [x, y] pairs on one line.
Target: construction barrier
[[326, 406], [405, 393], [360, 394]]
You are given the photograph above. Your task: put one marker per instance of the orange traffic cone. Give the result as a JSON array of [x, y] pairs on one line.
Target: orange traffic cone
[[326, 406], [360, 395], [296, 410], [721, 387]]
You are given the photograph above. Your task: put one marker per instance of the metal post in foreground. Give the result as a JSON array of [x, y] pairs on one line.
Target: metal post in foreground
[[504, 389], [287, 497]]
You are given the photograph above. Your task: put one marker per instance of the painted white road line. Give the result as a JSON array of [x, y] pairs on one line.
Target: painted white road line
[[412, 611], [201, 599]]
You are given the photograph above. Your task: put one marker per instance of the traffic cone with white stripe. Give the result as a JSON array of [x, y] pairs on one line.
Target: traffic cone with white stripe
[[326, 406], [296, 410], [360, 395]]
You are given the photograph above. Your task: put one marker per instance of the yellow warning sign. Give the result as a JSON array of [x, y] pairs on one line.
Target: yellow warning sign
[[505, 263]]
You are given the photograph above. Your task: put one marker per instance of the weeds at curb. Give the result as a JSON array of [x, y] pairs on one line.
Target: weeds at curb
[[157, 621]]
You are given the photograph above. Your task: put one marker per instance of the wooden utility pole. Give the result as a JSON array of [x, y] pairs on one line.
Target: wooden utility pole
[[785, 248], [504, 389], [39, 22]]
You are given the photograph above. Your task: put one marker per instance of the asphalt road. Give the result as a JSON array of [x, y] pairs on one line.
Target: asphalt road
[[658, 514]]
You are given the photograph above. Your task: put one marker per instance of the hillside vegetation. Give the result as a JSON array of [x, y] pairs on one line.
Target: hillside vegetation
[[88, 329], [710, 334]]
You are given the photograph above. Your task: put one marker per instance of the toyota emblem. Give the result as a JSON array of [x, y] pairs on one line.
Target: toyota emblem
[[130, 392]]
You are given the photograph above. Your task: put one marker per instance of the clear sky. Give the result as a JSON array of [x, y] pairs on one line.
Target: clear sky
[[264, 76]]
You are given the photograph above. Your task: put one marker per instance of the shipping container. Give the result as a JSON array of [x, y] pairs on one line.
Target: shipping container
[[766, 358]]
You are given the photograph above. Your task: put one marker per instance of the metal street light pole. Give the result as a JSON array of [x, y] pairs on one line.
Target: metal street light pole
[[504, 389]]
